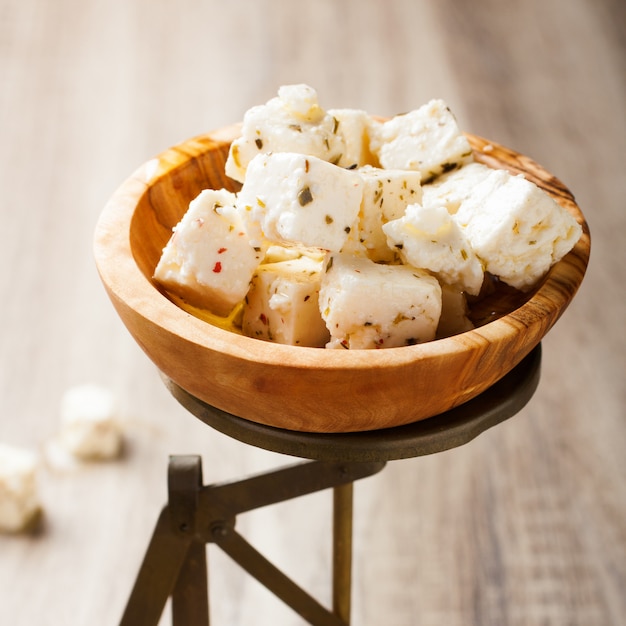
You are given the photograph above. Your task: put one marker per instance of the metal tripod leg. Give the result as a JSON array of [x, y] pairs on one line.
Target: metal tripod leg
[[342, 551], [175, 562]]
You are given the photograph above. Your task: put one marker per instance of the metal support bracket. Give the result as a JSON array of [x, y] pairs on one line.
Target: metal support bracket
[[175, 563]]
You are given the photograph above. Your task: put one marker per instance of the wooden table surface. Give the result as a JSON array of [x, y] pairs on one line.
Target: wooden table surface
[[524, 526]]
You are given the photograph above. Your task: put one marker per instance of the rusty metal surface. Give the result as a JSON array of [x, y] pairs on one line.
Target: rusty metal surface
[[175, 563]]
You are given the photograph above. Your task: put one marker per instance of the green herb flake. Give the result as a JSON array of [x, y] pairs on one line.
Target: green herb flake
[[304, 196], [400, 318], [448, 167]]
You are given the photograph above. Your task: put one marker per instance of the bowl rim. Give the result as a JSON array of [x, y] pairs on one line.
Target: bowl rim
[[129, 286]]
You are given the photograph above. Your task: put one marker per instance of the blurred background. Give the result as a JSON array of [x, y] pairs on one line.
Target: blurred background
[[526, 525]]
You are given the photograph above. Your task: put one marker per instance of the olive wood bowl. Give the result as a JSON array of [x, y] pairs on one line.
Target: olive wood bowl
[[312, 389]]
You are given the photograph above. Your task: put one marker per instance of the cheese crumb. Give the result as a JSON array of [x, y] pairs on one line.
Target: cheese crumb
[[19, 501], [90, 427]]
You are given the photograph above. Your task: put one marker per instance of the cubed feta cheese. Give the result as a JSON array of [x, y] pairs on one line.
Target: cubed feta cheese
[[282, 304], [427, 139], [290, 197], [516, 229], [291, 122], [386, 194], [353, 125], [454, 312], [451, 189], [428, 238], [370, 305], [90, 427], [19, 500], [209, 260]]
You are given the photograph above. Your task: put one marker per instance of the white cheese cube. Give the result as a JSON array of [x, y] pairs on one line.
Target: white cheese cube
[[386, 194], [291, 122], [454, 313], [209, 260], [19, 501], [282, 305], [354, 244], [290, 197], [428, 238], [427, 139], [353, 125], [368, 305], [90, 427], [451, 189], [516, 229]]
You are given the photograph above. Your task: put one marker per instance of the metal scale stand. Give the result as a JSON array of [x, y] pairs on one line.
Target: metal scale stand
[[175, 563]]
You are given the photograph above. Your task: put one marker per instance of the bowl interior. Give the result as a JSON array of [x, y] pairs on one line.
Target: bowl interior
[[312, 389], [168, 197]]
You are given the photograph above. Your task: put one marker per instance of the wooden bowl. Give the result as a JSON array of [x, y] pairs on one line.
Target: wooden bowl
[[311, 389]]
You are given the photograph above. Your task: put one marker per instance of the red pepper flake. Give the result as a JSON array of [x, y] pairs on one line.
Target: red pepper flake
[[222, 250], [217, 268], [263, 319]]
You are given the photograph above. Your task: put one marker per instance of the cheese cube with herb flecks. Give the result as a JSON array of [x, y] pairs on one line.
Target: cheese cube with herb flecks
[[428, 238], [209, 260], [293, 121], [282, 304], [354, 125], [516, 229], [386, 195], [451, 189], [368, 305], [427, 139], [293, 198]]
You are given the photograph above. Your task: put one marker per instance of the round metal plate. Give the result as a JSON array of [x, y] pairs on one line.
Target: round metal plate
[[435, 434]]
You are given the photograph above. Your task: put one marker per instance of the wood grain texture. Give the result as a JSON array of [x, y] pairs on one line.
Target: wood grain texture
[[525, 525]]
